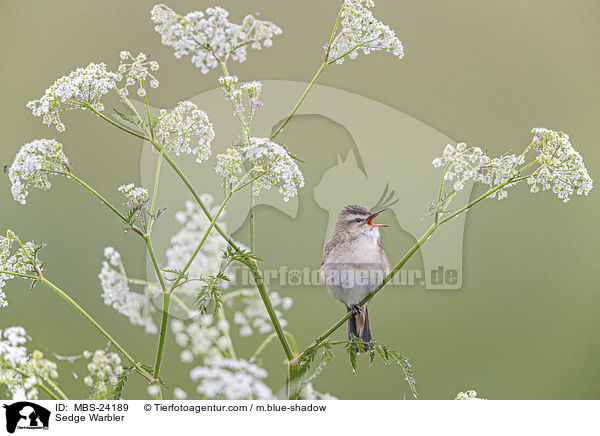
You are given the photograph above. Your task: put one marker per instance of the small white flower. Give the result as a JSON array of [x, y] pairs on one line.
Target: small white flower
[[230, 166], [231, 379], [209, 37], [279, 167], [557, 166], [137, 70], [21, 370], [253, 315], [561, 166], [468, 395], [243, 98], [82, 87], [23, 261], [103, 367], [360, 30], [153, 390], [179, 394], [35, 162], [465, 164], [117, 294], [186, 129], [136, 197]]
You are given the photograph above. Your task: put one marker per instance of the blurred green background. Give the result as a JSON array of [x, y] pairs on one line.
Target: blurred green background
[[525, 324]]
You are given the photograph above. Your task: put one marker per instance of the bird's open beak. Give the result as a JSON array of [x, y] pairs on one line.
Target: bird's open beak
[[370, 220]]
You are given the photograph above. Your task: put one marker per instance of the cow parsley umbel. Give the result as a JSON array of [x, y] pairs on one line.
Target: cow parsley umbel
[[137, 69], [270, 165], [464, 164], [231, 379], [102, 366], [360, 30], [136, 198], [21, 371], [136, 306], [561, 166], [82, 87], [549, 162], [186, 129], [279, 168], [23, 260], [35, 162], [209, 37]]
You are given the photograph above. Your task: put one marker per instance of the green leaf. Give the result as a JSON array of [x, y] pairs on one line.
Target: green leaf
[[129, 118]]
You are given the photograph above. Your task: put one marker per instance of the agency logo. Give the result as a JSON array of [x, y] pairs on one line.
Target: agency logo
[[26, 415]]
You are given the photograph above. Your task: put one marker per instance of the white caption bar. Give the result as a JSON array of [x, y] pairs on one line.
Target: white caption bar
[[284, 418]]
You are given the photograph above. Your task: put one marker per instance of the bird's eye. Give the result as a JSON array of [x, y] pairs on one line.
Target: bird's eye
[[357, 220]]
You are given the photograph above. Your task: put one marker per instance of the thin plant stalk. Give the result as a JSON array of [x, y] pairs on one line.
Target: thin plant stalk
[[92, 321]]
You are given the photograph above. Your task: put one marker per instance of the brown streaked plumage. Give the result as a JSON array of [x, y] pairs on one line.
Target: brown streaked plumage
[[354, 264]]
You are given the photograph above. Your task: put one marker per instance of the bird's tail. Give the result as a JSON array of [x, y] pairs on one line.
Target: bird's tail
[[359, 327]]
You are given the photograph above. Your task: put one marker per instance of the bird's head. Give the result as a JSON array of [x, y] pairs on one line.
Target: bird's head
[[355, 220]]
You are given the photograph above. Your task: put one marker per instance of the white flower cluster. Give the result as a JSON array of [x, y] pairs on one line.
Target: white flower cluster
[[557, 166], [33, 165], [82, 87], [309, 393], [471, 163], [281, 169], [184, 243], [231, 379], [21, 371], [361, 30], [23, 261], [186, 129], [468, 395], [264, 156], [250, 90], [209, 37], [254, 316], [137, 198], [103, 367], [137, 70], [116, 293], [561, 166], [202, 337], [230, 166], [245, 95]]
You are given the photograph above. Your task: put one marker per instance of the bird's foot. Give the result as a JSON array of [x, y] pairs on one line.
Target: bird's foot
[[355, 309]]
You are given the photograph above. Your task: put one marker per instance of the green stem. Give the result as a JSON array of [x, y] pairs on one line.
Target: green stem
[[230, 348], [201, 243], [479, 199], [251, 218], [25, 276], [117, 125], [39, 383], [97, 195], [73, 303], [302, 97], [252, 265], [269, 339], [412, 251], [264, 295], [51, 394], [156, 180], [58, 390], [165, 308], [147, 111]]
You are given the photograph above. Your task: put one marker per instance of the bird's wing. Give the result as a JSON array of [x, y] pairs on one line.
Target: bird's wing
[[384, 259], [327, 250]]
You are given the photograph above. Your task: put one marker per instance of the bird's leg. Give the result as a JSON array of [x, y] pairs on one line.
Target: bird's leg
[[355, 309]]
